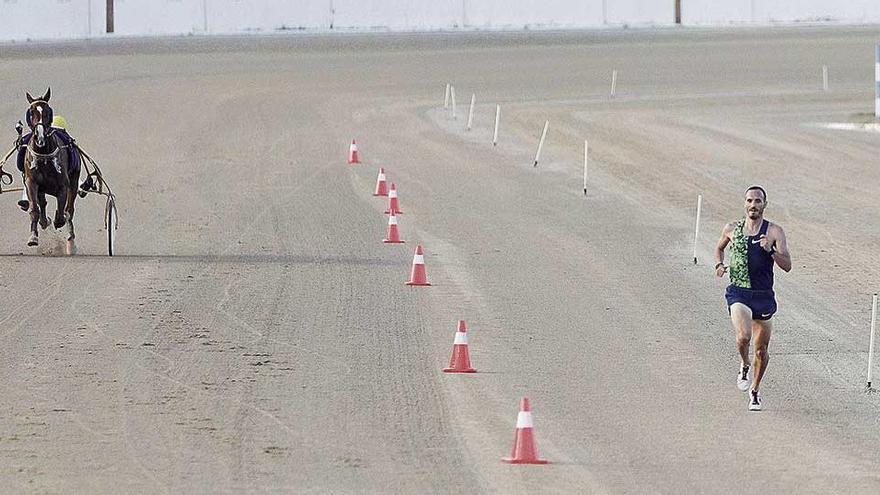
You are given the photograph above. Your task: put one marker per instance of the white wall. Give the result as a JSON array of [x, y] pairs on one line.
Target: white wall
[[817, 10], [397, 14], [39, 19], [82, 18], [516, 14], [695, 12], [133, 17], [232, 16], [715, 12], [158, 16], [642, 11]]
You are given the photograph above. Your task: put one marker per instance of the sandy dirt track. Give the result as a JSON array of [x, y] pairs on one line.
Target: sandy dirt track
[[254, 335]]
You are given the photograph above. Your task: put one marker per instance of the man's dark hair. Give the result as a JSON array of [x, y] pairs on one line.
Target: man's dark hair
[[758, 188]]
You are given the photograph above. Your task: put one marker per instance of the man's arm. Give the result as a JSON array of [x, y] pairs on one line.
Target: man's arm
[[781, 256], [719, 250]]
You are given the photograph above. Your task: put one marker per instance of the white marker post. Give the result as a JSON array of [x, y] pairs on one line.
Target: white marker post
[[877, 82], [586, 156], [471, 111], [452, 93], [497, 121], [871, 340], [824, 78], [541, 142], [613, 82], [697, 227], [446, 98]]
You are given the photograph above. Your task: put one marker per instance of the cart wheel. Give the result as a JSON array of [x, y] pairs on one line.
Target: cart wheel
[[111, 227]]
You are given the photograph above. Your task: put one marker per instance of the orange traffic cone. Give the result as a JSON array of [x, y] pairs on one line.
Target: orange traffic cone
[[381, 189], [393, 205], [460, 362], [353, 153], [418, 275], [524, 449], [393, 236]]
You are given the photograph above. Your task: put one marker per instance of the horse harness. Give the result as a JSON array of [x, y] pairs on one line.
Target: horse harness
[[53, 157]]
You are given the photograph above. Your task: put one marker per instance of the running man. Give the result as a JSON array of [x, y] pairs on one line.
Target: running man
[[756, 244]]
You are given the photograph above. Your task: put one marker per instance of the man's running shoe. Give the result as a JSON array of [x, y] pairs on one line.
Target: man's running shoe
[[743, 378], [754, 400]]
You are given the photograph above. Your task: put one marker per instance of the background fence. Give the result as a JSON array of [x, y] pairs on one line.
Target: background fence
[[47, 19]]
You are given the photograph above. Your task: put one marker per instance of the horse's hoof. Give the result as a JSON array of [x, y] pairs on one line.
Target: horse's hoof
[[24, 204], [70, 247], [58, 225], [33, 241]]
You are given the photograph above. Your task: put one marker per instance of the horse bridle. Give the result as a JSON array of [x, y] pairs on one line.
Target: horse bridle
[[36, 103], [51, 157]]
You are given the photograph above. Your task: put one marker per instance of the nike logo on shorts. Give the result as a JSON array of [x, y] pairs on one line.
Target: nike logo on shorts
[[764, 316], [756, 242]]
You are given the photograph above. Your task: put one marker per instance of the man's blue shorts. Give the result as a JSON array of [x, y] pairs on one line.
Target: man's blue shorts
[[761, 302]]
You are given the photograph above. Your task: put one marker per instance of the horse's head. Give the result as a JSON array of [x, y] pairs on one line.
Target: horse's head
[[39, 117]]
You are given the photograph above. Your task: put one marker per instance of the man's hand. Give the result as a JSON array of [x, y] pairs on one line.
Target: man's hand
[[766, 244], [720, 270]]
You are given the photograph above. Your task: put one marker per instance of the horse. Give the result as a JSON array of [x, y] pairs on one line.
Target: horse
[[46, 171]]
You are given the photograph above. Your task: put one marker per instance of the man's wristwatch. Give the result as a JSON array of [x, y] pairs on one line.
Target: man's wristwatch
[[772, 250]]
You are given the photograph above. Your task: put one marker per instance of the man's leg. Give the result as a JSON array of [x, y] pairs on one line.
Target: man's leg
[[762, 330], [23, 203], [19, 161], [741, 316]]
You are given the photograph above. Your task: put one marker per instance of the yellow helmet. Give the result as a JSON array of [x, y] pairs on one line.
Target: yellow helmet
[[59, 122]]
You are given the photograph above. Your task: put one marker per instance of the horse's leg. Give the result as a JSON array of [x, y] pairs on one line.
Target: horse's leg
[[44, 220], [68, 212], [60, 215], [33, 210]]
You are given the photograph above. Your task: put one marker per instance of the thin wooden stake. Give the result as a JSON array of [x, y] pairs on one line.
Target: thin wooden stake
[[613, 82], [697, 227], [871, 340], [541, 142], [470, 121], [586, 156], [452, 93], [497, 121]]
